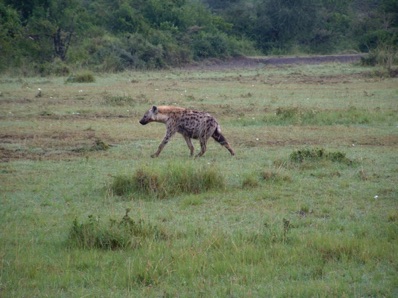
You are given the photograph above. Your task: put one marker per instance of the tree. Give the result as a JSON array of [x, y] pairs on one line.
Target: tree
[[10, 34]]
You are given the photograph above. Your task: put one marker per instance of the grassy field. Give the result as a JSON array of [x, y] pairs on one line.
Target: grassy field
[[308, 207]]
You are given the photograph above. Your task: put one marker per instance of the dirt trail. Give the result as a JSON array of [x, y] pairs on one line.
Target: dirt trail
[[258, 62]]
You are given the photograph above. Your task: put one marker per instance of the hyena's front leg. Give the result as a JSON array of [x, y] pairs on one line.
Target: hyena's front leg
[[166, 139]]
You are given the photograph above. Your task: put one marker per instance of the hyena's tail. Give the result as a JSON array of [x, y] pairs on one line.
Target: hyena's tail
[[217, 135]]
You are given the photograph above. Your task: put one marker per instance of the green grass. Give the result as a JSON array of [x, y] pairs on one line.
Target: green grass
[[307, 207]]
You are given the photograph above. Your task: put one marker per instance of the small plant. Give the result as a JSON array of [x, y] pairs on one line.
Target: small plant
[[124, 234]]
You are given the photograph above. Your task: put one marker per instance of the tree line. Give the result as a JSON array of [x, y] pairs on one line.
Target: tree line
[[55, 36]]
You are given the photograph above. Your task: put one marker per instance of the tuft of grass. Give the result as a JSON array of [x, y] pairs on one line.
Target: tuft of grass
[[393, 216], [83, 77], [270, 233], [272, 176], [173, 179], [250, 181], [118, 100], [317, 154], [123, 234], [335, 248], [98, 145]]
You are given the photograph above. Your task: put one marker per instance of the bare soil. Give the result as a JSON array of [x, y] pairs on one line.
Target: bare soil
[[258, 62]]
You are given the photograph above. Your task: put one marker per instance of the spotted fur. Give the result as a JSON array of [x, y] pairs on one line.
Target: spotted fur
[[189, 123]]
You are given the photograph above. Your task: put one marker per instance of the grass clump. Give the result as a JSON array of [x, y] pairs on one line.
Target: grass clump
[[83, 77], [98, 145], [318, 154], [174, 179], [123, 234], [270, 232], [118, 100], [250, 181], [272, 176]]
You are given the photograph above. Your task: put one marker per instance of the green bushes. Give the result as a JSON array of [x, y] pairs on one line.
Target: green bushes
[[385, 56]]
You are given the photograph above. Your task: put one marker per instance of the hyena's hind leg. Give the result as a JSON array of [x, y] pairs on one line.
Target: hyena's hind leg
[[217, 135], [189, 143], [203, 147], [205, 134]]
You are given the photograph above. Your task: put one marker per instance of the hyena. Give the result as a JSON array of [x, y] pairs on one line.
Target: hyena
[[191, 124]]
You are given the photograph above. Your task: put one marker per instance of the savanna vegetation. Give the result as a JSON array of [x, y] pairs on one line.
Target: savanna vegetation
[[61, 37], [306, 208]]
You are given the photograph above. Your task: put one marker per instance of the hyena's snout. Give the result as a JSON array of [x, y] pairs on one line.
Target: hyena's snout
[[144, 121]]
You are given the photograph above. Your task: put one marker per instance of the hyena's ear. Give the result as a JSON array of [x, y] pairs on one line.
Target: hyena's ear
[[155, 109]]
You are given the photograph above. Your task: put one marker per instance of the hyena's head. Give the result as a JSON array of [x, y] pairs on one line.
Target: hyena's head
[[149, 116]]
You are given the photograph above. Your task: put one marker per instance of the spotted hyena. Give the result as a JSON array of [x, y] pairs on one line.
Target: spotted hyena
[[191, 124]]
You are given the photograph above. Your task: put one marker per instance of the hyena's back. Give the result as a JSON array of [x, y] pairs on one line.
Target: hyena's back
[[197, 125]]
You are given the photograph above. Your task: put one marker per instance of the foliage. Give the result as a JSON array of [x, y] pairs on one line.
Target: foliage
[[384, 55], [112, 36], [280, 26]]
